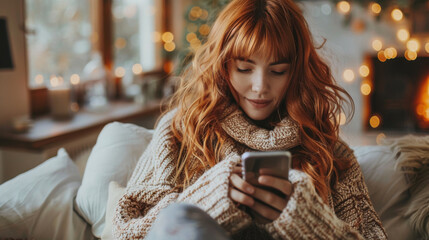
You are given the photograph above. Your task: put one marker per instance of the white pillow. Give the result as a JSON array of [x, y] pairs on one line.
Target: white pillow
[[387, 189], [113, 158], [38, 204], [116, 191]]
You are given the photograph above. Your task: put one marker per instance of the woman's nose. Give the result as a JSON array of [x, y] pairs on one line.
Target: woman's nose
[[259, 83]]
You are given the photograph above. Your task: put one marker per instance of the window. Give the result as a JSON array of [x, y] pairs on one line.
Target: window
[[58, 39], [63, 41], [137, 28]]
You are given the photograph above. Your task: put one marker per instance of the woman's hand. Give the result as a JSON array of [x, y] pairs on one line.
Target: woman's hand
[[265, 204]]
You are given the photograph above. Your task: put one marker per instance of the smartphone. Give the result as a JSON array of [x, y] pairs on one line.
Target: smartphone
[[275, 164]]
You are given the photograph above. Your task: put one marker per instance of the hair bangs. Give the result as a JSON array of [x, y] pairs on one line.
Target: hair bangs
[[261, 36]]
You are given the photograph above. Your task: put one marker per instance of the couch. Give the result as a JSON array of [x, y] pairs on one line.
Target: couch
[[74, 199]]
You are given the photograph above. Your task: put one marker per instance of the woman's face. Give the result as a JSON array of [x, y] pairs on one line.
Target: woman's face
[[260, 84]]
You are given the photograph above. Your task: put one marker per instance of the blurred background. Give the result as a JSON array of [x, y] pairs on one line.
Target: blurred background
[[69, 67]]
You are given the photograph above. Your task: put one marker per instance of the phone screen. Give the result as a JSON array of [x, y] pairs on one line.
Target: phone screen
[[265, 163]]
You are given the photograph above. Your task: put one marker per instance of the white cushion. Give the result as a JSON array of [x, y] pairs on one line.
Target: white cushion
[[387, 189], [38, 204], [116, 191], [113, 158]]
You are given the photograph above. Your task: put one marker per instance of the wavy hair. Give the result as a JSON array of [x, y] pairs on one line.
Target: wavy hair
[[312, 97]]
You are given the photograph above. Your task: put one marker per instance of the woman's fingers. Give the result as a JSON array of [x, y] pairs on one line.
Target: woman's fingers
[[271, 199], [280, 184], [240, 197], [241, 185], [265, 211], [237, 169]]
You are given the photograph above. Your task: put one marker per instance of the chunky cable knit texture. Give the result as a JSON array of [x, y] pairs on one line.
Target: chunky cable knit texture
[[350, 214]]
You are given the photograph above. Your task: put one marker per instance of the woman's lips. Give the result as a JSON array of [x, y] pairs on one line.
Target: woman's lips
[[259, 103]]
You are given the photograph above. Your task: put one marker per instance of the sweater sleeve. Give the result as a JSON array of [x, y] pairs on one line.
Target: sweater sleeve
[[306, 216], [151, 188]]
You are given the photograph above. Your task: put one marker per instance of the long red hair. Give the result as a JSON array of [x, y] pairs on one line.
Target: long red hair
[[312, 97]]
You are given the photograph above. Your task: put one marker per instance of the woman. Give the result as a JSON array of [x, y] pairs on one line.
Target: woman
[[257, 84]]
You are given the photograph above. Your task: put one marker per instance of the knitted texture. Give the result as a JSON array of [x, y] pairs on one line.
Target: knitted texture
[[349, 215]]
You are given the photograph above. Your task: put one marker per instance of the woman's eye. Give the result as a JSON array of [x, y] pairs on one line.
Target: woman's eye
[[243, 70], [279, 72]]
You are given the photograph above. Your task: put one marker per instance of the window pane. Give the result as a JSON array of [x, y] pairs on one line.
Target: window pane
[[59, 39], [137, 25]]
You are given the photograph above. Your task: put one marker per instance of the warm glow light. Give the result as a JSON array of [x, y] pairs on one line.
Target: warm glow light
[[39, 79], [410, 55], [120, 72], [169, 46], [55, 82], [156, 37], [380, 138], [413, 45], [381, 56], [167, 37], [168, 66], [427, 47], [397, 14], [204, 29], [403, 34], [195, 43], [204, 15], [137, 68], [374, 121], [341, 118], [195, 12], [348, 75], [364, 70], [190, 36], [377, 45], [422, 104], [365, 89], [192, 27], [120, 43], [74, 79], [420, 109], [343, 7], [390, 53], [375, 8]]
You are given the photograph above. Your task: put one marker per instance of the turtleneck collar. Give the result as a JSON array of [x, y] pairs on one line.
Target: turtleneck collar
[[239, 127]]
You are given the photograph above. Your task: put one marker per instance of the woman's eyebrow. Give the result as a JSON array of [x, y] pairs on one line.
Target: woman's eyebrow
[[280, 62], [246, 60], [284, 61]]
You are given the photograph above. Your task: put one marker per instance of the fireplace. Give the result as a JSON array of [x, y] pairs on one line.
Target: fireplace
[[399, 100]]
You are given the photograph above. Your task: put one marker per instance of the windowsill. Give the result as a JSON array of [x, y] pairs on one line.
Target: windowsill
[[47, 132]]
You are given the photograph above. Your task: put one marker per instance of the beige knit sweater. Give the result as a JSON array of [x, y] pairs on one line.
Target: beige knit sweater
[[350, 214]]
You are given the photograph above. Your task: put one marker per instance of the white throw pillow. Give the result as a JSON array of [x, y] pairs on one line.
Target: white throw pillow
[[116, 191], [387, 189], [38, 204], [113, 158]]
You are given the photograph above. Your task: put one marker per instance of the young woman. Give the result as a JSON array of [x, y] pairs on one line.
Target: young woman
[[257, 84]]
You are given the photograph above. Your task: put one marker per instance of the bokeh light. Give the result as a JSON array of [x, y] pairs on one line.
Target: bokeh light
[[403, 34], [375, 8], [348, 75], [120, 72], [377, 45], [365, 89], [397, 14], [74, 79], [374, 121], [137, 68], [343, 7], [364, 70]]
